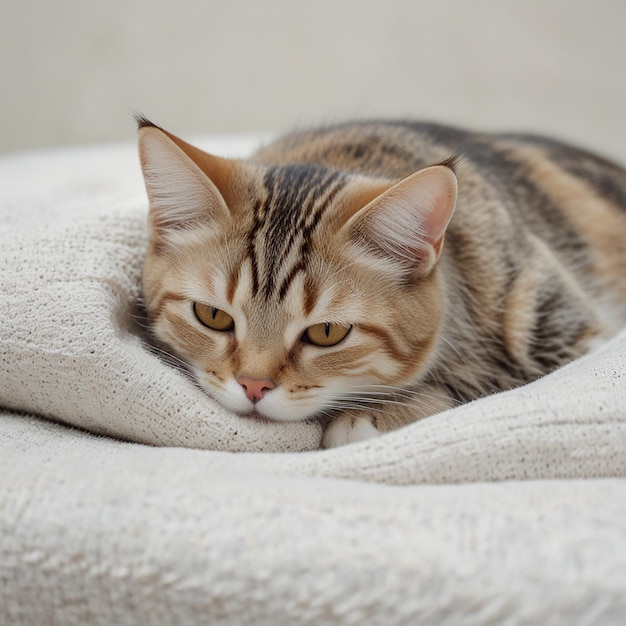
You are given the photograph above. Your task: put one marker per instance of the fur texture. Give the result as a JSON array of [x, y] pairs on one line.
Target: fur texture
[[359, 274]]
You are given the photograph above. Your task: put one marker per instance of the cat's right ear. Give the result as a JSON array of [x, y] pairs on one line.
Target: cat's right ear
[[181, 192]]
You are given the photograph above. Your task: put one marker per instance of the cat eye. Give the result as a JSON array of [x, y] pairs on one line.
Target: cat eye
[[213, 318], [326, 335]]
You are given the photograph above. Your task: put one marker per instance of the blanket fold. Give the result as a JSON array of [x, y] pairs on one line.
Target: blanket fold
[[510, 509], [187, 538]]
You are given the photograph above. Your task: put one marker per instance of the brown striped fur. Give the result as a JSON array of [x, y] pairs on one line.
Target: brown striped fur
[[323, 226]]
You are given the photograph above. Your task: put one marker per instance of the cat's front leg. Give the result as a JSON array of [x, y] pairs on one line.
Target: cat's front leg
[[359, 425], [350, 428]]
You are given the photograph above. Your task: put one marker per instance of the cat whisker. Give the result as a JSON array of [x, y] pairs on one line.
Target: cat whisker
[[385, 391], [417, 402], [169, 358], [454, 348], [141, 321], [341, 406]]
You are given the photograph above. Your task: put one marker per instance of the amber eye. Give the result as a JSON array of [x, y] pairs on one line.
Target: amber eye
[[326, 335], [213, 318]]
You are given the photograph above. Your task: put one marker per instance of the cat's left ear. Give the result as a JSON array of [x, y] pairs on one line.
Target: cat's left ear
[[406, 223]]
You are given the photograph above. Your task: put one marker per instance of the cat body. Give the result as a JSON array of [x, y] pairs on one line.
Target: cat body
[[364, 275]]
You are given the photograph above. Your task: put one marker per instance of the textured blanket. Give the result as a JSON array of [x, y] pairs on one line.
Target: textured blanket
[[508, 510]]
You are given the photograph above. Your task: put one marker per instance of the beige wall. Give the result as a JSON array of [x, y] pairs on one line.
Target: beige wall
[[74, 70]]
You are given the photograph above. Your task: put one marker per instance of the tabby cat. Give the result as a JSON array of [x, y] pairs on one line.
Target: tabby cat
[[373, 273]]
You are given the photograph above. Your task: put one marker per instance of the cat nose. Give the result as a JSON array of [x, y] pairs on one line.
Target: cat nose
[[256, 388]]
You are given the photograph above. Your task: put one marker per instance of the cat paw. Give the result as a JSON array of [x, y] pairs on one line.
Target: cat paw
[[349, 429]]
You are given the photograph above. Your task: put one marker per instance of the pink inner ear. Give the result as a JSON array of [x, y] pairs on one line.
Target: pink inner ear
[[440, 183], [180, 192], [408, 221]]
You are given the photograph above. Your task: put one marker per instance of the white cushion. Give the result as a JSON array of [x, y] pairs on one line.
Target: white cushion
[[96, 530]]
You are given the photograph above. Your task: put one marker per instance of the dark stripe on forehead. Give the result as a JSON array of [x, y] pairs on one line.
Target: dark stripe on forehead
[[295, 191], [311, 295], [293, 272], [311, 220], [296, 198], [260, 208]]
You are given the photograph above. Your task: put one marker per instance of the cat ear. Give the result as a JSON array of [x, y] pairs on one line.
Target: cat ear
[[407, 222], [179, 180]]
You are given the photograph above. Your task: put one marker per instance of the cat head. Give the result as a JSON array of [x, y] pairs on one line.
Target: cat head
[[292, 290]]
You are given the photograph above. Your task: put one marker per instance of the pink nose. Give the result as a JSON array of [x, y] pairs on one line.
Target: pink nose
[[255, 388]]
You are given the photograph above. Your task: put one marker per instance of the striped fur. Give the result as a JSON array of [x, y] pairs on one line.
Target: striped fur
[[452, 281]]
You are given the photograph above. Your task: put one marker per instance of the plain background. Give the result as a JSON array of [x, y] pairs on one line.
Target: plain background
[[74, 71]]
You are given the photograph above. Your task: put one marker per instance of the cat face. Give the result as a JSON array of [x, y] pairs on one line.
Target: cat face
[[292, 290]]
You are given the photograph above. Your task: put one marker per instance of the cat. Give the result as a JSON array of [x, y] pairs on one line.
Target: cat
[[370, 274]]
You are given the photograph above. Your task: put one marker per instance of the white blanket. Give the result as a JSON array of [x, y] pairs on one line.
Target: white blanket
[[509, 510]]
